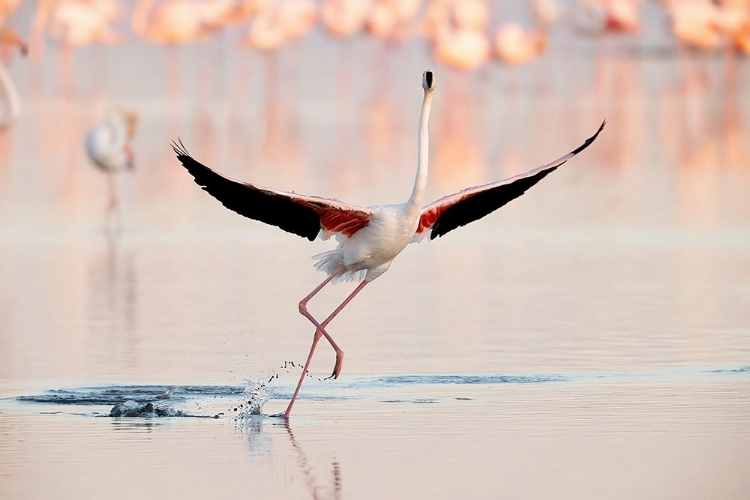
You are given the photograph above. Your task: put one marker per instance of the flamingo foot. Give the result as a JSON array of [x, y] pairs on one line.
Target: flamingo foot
[[337, 366]]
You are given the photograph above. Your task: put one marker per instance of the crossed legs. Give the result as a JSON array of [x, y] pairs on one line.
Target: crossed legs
[[321, 332]]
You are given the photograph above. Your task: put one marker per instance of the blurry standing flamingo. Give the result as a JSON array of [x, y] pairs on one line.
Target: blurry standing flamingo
[[219, 14], [82, 22], [9, 40], [458, 32], [343, 18], [392, 20], [72, 24], [708, 26], [184, 21], [276, 24], [694, 24], [514, 45], [597, 17], [369, 238], [280, 22], [174, 22], [108, 146], [741, 39]]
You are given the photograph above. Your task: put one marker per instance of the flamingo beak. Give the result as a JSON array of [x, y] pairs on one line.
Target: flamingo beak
[[9, 36], [428, 81], [132, 121]]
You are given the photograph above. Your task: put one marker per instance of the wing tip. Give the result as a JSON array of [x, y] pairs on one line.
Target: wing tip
[[179, 148], [589, 140]]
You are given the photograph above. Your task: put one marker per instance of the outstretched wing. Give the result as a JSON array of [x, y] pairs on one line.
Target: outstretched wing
[[306, 216], [456, 210]]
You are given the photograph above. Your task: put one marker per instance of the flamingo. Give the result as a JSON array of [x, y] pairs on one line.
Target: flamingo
[[9, 38], [280, 22], [368, 238], [344, 17], [108, 147], [514, 45], [596, 17], [458, 32], [176, 21], [392, 20], [77, 23]]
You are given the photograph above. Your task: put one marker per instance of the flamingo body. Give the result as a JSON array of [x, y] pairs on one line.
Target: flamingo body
[[515, 46], [108, 142], [370, 238]]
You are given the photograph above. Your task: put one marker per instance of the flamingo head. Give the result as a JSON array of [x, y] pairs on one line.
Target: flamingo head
[[428, 81], [9, 37]]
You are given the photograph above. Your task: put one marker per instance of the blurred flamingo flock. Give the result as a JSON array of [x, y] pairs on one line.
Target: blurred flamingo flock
[[463, 34], [93, 63]]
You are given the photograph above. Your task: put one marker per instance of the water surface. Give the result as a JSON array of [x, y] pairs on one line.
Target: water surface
[[589, 340]]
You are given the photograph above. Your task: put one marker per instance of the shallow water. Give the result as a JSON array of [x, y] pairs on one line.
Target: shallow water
[[589, 340]]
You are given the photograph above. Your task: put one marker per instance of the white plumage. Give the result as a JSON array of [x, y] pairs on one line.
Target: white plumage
[[108, 146], [108, 142]]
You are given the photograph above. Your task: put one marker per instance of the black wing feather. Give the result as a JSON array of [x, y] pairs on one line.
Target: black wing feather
[[250, 201], [483, 203]]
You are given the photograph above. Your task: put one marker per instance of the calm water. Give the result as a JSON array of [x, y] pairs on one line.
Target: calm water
[[589, 340]]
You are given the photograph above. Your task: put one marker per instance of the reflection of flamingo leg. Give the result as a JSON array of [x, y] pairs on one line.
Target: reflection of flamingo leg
[[112, 218], [304, 463], [113, 201]]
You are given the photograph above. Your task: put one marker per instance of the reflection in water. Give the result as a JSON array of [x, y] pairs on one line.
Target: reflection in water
[[113, 295], [260, 443], [327, 485], [316, 492]]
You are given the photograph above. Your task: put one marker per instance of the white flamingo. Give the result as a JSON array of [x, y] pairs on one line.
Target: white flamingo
[[369, 238], [108, 146]]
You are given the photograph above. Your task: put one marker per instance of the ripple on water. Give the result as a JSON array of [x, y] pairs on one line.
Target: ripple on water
[[158, 400]]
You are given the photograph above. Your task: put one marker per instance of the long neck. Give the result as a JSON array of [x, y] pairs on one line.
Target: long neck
[[420, 182], [14, 102]]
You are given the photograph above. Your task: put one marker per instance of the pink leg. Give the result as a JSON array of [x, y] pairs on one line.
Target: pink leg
[[320, 330]]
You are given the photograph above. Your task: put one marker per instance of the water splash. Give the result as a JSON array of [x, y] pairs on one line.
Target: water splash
[[255, 397]]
